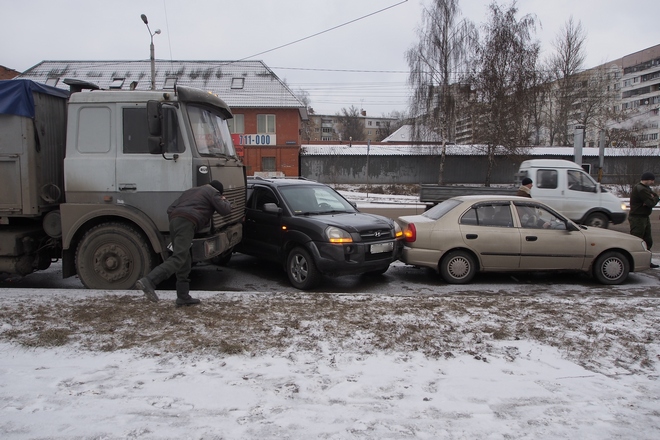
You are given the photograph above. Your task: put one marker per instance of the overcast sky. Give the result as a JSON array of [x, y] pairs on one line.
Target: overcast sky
[[361, 63]]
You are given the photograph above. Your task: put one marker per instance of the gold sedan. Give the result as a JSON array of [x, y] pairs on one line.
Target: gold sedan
[[465, 235]]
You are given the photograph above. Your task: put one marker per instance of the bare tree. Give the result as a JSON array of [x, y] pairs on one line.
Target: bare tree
[[436, 64], [504, 72], [352, 125], [391, 123], [307, 126], [565, 65]]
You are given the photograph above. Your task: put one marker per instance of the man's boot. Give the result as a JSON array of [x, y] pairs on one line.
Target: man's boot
[[183, 297], [148, 284]]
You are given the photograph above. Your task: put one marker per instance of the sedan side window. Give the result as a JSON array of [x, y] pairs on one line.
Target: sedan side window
[[488, 215], [536, 217]]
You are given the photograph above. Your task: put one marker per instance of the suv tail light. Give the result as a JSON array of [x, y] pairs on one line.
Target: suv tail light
[[410, 233]]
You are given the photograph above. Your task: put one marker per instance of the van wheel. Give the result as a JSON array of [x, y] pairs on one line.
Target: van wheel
[[458, 267], [301, 270], [113, 256], [611, 268], [597, 220]]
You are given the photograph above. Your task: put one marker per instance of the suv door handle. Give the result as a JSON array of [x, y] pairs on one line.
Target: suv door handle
[[531, 238], [127, 187], [471, 236]]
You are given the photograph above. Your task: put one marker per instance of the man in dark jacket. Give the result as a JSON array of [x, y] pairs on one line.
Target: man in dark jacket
[[192, 211], [525, 189], [642, 201]]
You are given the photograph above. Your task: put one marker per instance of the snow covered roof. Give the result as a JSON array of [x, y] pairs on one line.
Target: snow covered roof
[[244, 84], [461, 150]]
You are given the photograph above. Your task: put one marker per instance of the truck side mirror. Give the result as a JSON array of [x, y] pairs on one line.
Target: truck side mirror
[[154, 118], [155, 144]]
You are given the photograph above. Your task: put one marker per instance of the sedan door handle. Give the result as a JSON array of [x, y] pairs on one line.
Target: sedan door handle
[[531, 238], [471, 236]]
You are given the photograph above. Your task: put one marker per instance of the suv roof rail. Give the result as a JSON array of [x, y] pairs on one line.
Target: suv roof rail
[[279, 177]]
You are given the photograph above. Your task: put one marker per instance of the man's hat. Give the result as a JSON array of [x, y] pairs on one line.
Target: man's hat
[[218, 185]]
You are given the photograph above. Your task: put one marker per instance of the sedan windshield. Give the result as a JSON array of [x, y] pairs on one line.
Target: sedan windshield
[[307, 200], [211, 133]]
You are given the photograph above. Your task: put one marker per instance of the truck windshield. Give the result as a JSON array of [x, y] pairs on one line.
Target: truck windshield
[[211, 133]]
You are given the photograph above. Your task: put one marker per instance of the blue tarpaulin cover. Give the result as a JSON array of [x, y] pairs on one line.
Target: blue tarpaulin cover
[[16, 96]]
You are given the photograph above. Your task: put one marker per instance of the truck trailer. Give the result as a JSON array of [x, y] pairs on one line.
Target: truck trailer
[[87, 176]]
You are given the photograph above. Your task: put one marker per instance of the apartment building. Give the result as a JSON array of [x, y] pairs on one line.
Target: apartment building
[[328, 127], [638, 82]]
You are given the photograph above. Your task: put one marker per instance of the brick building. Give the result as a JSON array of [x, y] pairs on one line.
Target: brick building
[[8, 73], [267, 116]]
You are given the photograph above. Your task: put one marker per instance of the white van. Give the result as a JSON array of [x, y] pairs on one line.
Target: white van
[[565, 186]]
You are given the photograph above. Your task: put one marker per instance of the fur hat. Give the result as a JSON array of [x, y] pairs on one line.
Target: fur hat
[[218, 185], [526, 181], [648, 176]]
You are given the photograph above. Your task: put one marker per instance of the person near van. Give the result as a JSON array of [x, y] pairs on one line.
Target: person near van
[[192, 211], [642, 201], [525, 189]]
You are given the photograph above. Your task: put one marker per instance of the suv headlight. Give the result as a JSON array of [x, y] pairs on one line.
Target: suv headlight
[[398, 233], [337, 235]]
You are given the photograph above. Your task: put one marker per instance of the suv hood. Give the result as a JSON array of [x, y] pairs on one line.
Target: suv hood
[[352, 222]]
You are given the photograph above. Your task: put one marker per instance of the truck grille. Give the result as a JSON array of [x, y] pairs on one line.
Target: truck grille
[[237, 197]]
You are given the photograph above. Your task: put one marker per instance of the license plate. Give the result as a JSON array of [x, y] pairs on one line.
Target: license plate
[[382, 247]]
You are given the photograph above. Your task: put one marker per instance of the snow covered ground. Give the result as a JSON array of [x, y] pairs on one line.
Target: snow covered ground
[[460, 365]]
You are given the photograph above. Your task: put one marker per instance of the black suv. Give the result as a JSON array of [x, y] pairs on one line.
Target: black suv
[[313, 231]]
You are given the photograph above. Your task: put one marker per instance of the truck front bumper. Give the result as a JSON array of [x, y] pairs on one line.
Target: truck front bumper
[[205, 248]]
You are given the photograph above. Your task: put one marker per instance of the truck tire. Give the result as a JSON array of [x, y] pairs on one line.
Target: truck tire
[[458, 267], [301, 269], [597, 220], [611, 268], [113, 256]]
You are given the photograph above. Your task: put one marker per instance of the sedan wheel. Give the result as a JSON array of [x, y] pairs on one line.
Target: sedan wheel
[[611, 268], [458, 267]]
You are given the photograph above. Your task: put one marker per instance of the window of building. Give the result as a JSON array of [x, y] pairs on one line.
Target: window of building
[[236, 124], [237, 83], [52, 81], [268, 164], [117, 83], [170, 82], [265, 124], [369, 123]]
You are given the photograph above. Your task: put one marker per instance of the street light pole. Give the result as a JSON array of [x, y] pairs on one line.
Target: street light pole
[[152, 58]]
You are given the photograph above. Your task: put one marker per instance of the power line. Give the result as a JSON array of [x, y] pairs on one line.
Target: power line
[[323, 32]]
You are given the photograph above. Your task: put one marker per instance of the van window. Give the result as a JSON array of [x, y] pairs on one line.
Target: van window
[[580, 181], [546, 179]]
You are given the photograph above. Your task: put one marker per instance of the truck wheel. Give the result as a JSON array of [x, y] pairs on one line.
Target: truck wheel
[[458, 267], [611, 268], [301, 270], [597, 220], [113, 256]]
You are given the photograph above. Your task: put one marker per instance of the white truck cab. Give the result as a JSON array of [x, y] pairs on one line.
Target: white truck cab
[[565, 186]]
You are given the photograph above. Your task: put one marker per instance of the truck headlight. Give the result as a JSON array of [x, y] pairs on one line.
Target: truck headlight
[[337, 235]]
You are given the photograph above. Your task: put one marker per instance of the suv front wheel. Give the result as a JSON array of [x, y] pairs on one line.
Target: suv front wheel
[[301, 270]]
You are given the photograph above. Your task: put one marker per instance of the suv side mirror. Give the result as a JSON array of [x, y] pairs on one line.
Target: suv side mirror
[[272, 208]]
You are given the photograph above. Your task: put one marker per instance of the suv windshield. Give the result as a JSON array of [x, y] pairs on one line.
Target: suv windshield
[[306, 200], [211, 133]]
